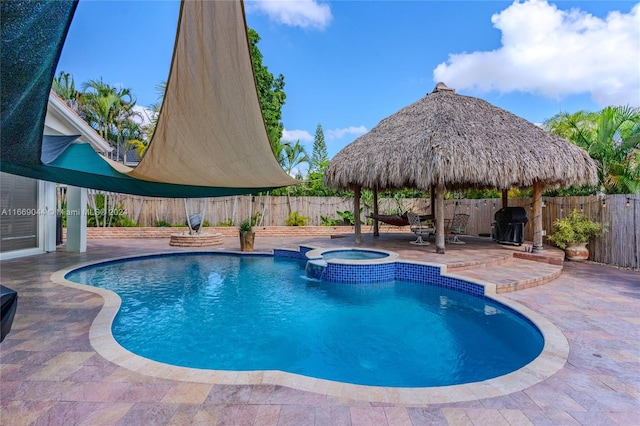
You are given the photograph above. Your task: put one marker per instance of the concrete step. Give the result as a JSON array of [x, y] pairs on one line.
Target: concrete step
[[513, 274]]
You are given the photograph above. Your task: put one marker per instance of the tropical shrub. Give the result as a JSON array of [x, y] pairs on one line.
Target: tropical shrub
[[574, 229], [115, 215], [246, 226], [326, 221], [347, 216], [295, 219]]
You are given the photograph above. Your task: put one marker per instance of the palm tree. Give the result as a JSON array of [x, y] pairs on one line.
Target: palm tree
[[108, 109], [133, 134], [278, 151], [155, 108], [64, 86], [612, 138], [122, 113], [294, 154], [290, 156], [97, 102], [138, 146]]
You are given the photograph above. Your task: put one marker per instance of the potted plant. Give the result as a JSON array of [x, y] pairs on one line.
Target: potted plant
[[572, 234], [246, 236]]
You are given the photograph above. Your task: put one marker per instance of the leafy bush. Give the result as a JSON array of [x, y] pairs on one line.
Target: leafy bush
[[127, 223], [295, 219], [228, 222], [574, 229], [246, 226], [254, 219], [115, 215], [330, 222], [348, 217], [162, 224]]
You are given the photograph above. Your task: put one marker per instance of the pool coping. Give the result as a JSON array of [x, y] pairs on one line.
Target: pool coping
[[553, 357]]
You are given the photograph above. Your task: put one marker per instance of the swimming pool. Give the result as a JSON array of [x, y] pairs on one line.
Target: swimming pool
[[251, 313]]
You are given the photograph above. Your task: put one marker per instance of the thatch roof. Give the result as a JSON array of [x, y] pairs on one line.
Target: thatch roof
[[461, 142]]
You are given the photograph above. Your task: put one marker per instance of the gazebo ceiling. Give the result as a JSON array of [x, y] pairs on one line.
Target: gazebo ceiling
[[461, 142]]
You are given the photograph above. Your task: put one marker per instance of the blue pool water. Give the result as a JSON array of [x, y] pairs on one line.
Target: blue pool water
[[353, 254], [229, 312]]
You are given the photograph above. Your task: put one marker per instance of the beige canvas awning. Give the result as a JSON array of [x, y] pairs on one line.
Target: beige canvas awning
[[210, 130]]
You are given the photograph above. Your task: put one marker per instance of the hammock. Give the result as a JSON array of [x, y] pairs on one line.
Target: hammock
[[397, 219]]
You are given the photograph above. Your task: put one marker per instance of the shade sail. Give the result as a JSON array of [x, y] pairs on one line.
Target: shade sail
[[210, 139], [32, 36], [54, 146]]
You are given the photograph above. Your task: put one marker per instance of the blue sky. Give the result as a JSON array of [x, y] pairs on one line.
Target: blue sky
[[350, 64]]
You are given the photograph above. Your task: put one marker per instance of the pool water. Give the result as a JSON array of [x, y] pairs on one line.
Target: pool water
[[245, 313], [353, 254]]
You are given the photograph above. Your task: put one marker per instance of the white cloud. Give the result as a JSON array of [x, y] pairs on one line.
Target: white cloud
[[295, 13], [294, 135], [340, 133], [555, 53]]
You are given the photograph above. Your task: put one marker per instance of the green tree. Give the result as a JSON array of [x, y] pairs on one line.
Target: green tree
[[123, 118], [612, 139], [110, 111], [270, 93], [155, 108], [65, 87], [96, 105], [319, 155], [294, 155], [278, 151]]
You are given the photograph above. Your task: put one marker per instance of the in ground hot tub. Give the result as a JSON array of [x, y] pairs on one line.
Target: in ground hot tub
[[351, 265]]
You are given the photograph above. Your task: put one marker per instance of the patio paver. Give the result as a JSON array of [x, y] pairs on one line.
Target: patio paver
[[50, 373]]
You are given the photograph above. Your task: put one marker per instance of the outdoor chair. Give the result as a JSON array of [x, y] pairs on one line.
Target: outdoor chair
[[457, 226], [420, 229]]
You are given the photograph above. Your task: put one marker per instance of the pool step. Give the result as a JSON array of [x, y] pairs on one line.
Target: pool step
[[513, 274]]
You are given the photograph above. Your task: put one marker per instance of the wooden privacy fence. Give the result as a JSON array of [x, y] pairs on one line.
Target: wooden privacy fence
[[620, 214]]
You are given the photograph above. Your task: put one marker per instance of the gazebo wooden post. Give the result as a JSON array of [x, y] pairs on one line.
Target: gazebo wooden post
[[505, 198], [356, 213], [439, 217], [376, 232], [433, 200], [537, 216]]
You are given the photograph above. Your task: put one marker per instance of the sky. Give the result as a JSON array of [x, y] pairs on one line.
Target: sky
[[349, 64]]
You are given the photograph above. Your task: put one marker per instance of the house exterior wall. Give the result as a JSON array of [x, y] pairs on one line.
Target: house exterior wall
[[28, 206], [28, 216]]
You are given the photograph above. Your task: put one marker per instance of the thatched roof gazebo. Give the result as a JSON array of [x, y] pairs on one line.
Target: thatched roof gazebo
[[450, 141]]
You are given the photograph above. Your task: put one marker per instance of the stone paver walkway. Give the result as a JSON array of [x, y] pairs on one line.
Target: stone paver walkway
[[50, 374]]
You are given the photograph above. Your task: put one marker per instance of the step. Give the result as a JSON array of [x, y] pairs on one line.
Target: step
[[514, 274]]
